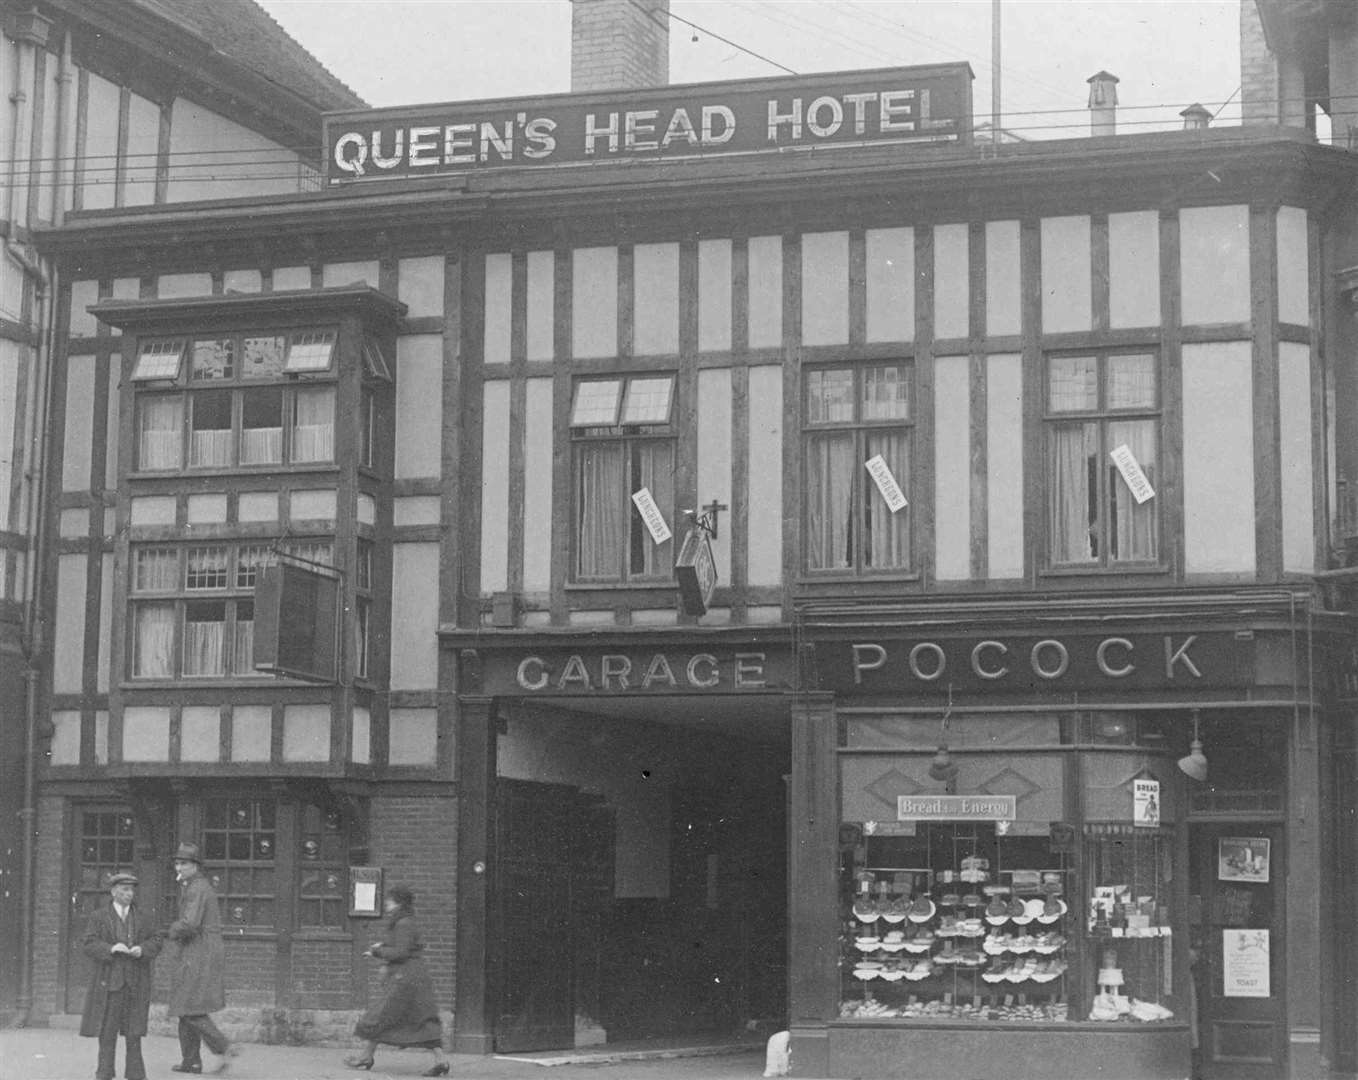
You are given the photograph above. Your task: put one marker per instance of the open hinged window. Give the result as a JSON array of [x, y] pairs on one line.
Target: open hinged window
[[310, 350], [159, 360]]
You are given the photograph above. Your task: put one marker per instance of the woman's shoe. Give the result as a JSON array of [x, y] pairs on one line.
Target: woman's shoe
[[358, 1062], [441, 1069]]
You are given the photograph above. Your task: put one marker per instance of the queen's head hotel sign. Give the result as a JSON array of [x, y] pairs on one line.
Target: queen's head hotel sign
[[890, 105]]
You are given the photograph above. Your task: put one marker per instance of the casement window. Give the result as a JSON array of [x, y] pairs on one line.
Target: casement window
[[232, 401], [323, 868], [192, 609], [240, 852], [1102, 408], [623, 441], [363, 578], [855, 414]]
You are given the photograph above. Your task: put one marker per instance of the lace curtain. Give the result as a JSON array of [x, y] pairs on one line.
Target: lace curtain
[[205, 640], [153, 640], [158, 440], [888, 534], [1075, 455], [313, 427], [602, 527], [653, 469], [829, 501]]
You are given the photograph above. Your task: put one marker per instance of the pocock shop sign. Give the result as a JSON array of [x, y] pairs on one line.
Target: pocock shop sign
[[914, 104]]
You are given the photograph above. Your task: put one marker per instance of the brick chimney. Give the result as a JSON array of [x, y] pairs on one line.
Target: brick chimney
[[1103, 103], [619, 44]]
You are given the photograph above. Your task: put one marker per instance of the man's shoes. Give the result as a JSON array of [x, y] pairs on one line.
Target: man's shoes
[[187, 1067]]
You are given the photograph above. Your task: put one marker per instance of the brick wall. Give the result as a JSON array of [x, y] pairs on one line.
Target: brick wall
[[322, 974], [50, 914], [251, 967], [414, 840], [1258, 70], [619, 44]]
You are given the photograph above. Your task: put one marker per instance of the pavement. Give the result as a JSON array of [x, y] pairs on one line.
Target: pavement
[[55, 1053]]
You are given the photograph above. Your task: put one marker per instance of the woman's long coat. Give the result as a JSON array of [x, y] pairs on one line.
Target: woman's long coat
[[407, 1014], [114, 971], [197, 956]]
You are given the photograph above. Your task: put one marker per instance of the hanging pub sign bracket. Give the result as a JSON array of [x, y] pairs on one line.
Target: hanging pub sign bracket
[[695, 569]]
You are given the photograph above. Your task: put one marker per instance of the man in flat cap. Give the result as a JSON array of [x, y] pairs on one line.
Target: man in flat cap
[[122, 942], [198, 974]]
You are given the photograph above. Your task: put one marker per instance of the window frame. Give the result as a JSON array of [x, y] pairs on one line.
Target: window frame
[[643, 430], [1103, 416], [863, 490]]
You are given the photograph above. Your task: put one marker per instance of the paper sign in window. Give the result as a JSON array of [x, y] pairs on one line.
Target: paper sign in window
[[1131, 472], [891, 491], [650, 513]]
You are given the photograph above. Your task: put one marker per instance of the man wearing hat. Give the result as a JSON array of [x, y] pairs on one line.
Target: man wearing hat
[[122, 943], [196, 978]]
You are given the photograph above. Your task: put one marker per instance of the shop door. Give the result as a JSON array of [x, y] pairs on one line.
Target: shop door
[[534, 953], [1237, 876], [105, 842]]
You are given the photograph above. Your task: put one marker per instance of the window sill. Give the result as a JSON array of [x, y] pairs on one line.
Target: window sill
[[234, 470], [1139, 569], [830, 577], [667, 585]]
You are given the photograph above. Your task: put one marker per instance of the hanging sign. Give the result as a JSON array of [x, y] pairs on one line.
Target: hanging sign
[[1146, 803], [881, 475], [1245, 963], [650, 513], [1132, 473], [696, 572]]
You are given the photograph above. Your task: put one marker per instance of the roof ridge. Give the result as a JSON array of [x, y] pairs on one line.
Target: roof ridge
[[309, 54]]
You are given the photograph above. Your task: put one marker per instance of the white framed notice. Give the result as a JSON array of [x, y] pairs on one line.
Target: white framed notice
[[1137, 482], [1146, 803], [881, 475], [1244, 963], [651, 515]]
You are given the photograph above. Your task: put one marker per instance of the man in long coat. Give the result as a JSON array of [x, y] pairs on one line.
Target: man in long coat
[[199, 966], [122, 942]]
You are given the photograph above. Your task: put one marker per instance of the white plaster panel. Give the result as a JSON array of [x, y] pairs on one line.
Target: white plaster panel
[[68, 637], [952, 468], [416, 510], [764, 264], [1294, 264], [1214, 264], [199, 170], [1004, 465], [349, 273], [65, 746], [257, 506], [83, 294], [413, 737], [495, 486], [1134, 269], [101, 671], [952, 280], [419, 404], [1296, 449], [497, 306], [143, 144], [146, 733], [126, 288], [306, 733], [208, 508], [153, 510], [115, 377], [9, 424], [1003, 300], [242, 281], [101, 736], [594, 302], [200, 733], [251, 733], [420, 285], [312, 505], [714, 295], [714, 456], [366, 510], [540, 330], [1218, 462], [537, 487], [78, 440], [74, 524], [825, 288], [100, 151], [414, 623], [1067, 274], [890, 302], [764, 454], [360, 739], [172, 286], [289, 278], [655, 299]]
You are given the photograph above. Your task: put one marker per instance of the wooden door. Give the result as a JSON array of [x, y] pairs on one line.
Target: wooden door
[[1238, 876], [533, 951], [105, 841]]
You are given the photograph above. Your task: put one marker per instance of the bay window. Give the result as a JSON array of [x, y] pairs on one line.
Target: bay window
[[623, 442], [855, 414], [1102, 426]]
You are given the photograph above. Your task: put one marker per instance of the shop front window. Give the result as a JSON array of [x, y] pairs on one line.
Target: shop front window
[[240, 848]]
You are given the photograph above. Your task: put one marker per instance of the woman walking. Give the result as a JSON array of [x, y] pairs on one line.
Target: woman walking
[[407, 1013]]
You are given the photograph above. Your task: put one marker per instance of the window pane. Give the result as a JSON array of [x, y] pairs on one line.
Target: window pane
[[155, 569], [262, 357], [210, 439], [213, 359], [1131, 382], [160, 425], [829, 396], [601, 525], [310, 351], [243, 643], [647, 401], [248, 561], [205, 638], [652, 467], [829, 501], [316, 551], [887, 534], [313, 424], [159, 360], [261, 435], [596, 403], [205, 568], [886, 393], [1074, 384], [362, 615], [1072, 476], [375, 361], [153, 640], [1133, 529]]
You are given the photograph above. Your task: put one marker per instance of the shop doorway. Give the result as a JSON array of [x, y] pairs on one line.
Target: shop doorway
[[105, 842], [1237, 878]]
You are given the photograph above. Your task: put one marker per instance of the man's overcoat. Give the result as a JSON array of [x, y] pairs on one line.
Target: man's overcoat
[[197, 956], [115, 971]]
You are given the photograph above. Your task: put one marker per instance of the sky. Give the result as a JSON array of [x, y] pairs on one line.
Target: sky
[[1167, 54]]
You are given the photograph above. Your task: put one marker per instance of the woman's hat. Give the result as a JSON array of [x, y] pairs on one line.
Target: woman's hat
[[122, 877], [188, 853]]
